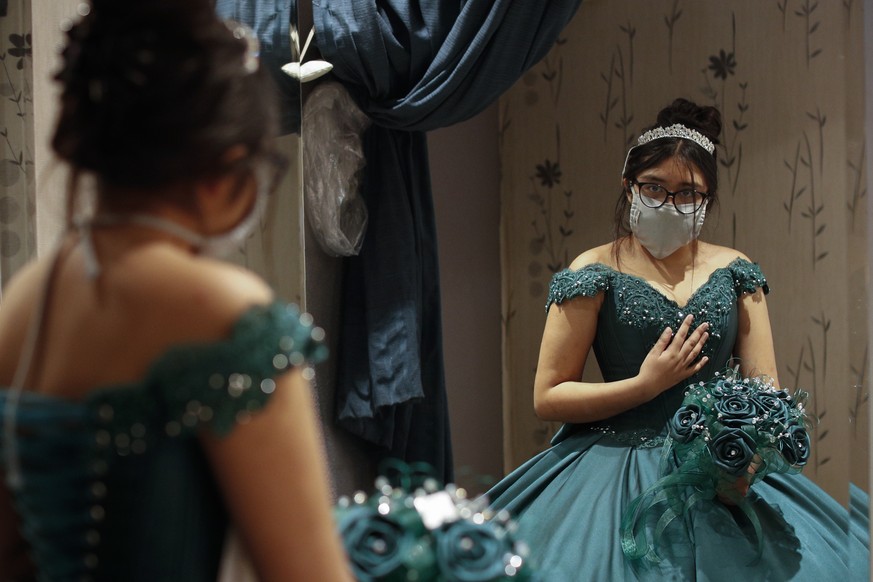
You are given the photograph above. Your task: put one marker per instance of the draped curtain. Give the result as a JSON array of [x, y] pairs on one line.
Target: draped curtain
[[413, 66]]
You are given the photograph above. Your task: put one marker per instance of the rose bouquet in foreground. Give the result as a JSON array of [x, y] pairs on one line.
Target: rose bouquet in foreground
[[429, 534], [727, 430]]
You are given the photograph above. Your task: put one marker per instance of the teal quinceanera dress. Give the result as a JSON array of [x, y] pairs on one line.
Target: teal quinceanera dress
[[116, 486], [570, 499]]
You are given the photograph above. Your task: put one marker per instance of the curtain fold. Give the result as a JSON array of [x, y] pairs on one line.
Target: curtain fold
[[416, 65], [413, 66]]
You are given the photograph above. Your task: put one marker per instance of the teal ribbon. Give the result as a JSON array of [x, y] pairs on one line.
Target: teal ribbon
[[680, 491]]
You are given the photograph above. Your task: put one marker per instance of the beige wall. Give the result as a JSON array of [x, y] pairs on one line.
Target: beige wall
[[32, 196], [465, 176], [50, 176]]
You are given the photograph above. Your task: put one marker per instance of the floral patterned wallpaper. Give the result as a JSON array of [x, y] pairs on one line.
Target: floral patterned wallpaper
[[17, 192], [785, 75]]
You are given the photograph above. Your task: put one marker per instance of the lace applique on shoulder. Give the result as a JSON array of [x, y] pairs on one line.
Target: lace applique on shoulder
[[587, 282], [640, 305], [216, 385], [747, 276]]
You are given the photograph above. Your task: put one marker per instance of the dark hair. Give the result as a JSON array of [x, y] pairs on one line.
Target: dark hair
[[157, 91], [706, 120]]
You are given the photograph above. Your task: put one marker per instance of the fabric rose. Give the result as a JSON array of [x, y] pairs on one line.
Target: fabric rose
[[686, 423], [467, 552], [377, 545], [721, 388], [794, 446], [773, 406], [748, 429], [732, 450], [736, 410]]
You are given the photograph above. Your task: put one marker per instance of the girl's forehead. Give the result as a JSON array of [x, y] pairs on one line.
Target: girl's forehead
[[677, 169]]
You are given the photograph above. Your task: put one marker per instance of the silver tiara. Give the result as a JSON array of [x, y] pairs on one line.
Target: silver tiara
[[678, 130]]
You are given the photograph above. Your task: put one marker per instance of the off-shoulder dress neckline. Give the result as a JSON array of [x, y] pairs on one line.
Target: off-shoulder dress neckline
[[700, 288]]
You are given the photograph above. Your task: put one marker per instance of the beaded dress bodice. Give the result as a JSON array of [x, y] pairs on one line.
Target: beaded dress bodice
[[116, 486], [631, 318]]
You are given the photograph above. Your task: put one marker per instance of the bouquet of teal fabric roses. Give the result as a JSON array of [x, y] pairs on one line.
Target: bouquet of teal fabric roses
[[430, 534], [727, 429]]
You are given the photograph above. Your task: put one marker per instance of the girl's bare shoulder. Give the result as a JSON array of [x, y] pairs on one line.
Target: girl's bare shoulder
[[719, 256], [602, 254]]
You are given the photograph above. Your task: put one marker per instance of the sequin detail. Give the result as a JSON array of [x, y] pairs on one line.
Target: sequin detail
[[640, 305], [585, 282], [216, 384], [77, 447], [643, 438]]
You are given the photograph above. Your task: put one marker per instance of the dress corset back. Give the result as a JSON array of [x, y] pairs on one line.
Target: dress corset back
[[116, 486]]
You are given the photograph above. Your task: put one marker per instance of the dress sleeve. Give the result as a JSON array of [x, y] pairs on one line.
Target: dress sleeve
[[747, 277], [221, 384], [587, 282]]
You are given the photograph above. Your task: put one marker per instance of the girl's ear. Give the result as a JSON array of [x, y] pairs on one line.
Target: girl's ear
[[215, 193]]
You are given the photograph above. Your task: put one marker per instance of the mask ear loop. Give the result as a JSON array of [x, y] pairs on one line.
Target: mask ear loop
[[626, 158], [14, 477]]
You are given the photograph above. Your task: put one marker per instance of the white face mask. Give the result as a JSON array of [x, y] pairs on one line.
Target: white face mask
[[221, 245], [663, 230], [215, 246]]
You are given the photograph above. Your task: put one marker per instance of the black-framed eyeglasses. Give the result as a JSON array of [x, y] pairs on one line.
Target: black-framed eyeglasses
[[686, 201]]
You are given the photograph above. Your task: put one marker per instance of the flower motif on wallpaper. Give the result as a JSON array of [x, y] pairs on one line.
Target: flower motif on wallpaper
[[16, 161], [551, 223], [549, 173], [20, 156], [21, 48], [722, 64]]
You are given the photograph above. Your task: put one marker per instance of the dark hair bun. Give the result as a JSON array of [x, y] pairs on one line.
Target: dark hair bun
[[154, 91], [706, 120]]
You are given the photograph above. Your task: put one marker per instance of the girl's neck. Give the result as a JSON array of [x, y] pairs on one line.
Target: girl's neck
[[676, 264]]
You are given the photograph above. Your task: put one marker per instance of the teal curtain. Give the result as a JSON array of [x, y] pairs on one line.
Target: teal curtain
[[272, 20], [413, 66]]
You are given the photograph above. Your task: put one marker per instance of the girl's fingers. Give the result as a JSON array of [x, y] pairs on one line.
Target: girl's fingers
[[693, 346], [663, 340], [699, 365], [682, 332]]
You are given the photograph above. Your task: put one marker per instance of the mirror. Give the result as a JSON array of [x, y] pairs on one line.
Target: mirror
[[792, 185], [574, 114]]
